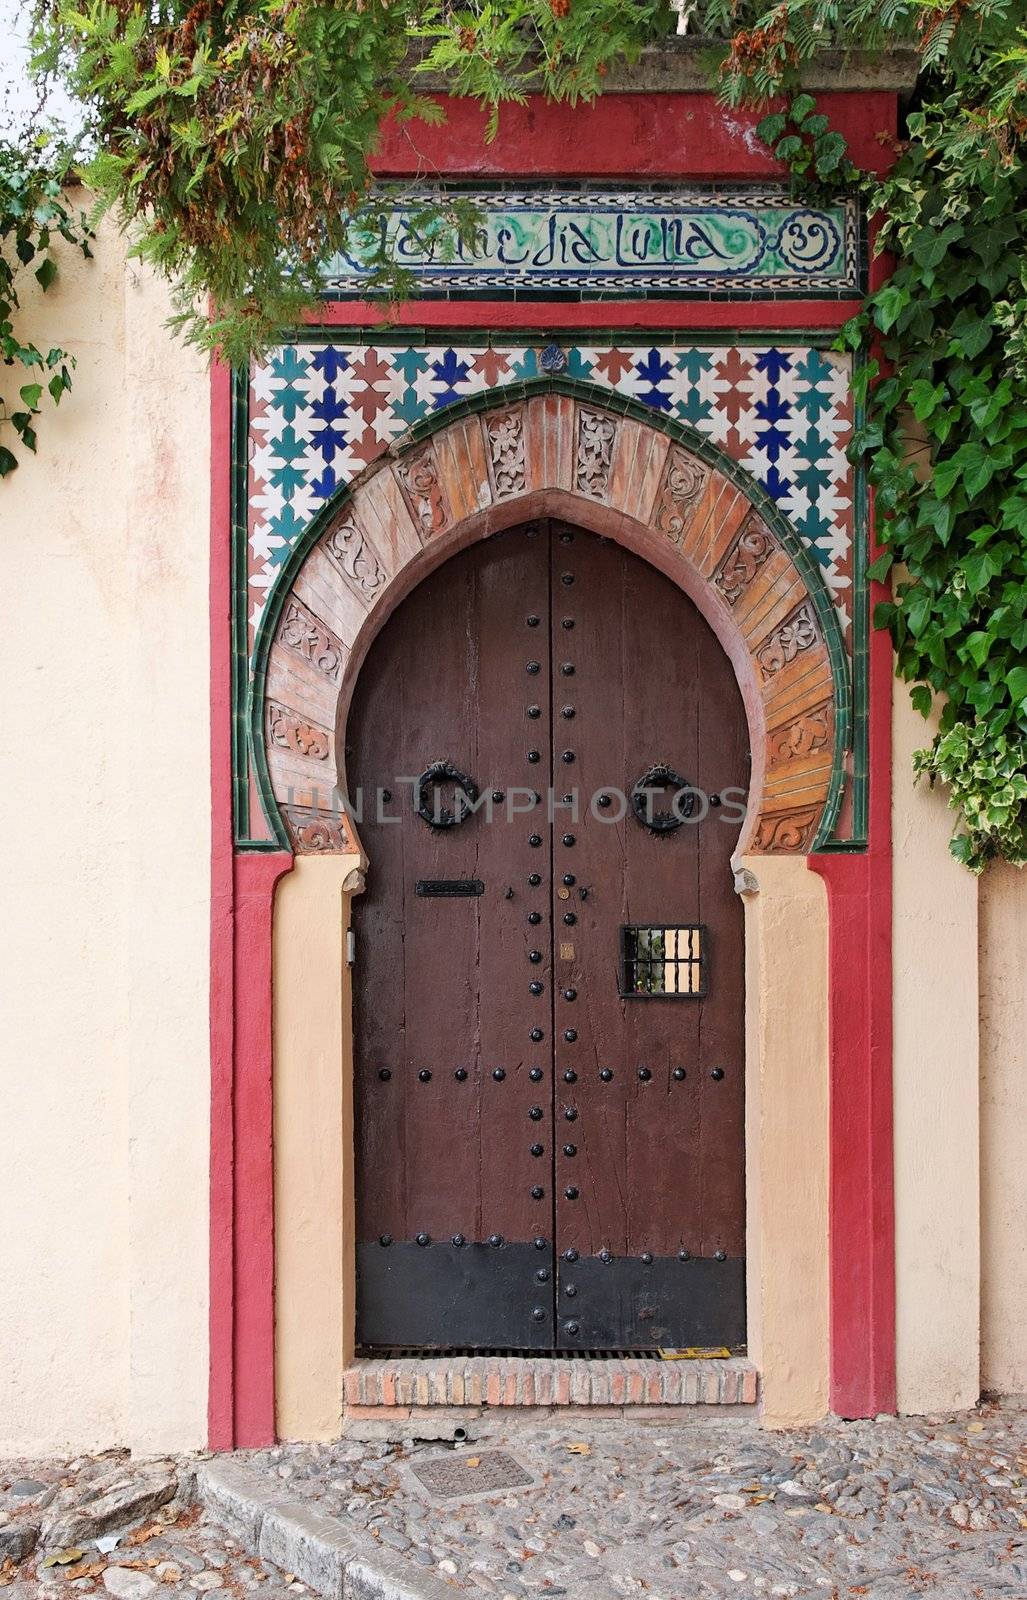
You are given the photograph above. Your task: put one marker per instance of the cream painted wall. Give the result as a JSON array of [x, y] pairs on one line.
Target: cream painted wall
[[787, 1081], [104, 1068], [1003, 982], [313, 1132], [937, 1120]]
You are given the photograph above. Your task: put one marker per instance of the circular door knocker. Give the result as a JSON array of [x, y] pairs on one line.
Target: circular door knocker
[[644, 794], [436, 777]]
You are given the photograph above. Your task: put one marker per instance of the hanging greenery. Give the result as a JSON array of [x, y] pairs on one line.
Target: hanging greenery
[[32, 211], [945, 441], [234, 138]]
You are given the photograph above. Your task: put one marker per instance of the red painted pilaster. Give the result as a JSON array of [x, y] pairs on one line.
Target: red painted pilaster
[[220, 1401], [241, 1409], [253, 1202], [861, 1207]]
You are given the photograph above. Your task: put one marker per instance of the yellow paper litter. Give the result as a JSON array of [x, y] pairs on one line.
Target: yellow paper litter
[[580, 1449], [473, 1461], [695, 1352]]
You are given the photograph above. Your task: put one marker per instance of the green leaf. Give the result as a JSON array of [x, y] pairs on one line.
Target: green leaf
[[829, 151], [924, 397], [977, 646], [946, 474], [1016, 683], [970, 334], [978, 474], [772, 127], [789, 147], [889, 304], [46, 272], [980, 568], [917, 607], [922, 699]]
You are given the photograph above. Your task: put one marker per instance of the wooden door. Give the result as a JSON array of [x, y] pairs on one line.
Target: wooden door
[[549, 959]]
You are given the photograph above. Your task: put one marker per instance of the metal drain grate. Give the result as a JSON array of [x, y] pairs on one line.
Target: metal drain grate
[[455, 1476], [398, 1353]]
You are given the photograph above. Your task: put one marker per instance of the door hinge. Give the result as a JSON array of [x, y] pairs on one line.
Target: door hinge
[[351, 947]]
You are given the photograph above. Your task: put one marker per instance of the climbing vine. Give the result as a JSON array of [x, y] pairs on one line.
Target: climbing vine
[[945, 392], [33, 210], [234, 138]]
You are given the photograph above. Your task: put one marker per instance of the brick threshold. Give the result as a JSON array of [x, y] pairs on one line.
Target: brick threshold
[[382, 1386]]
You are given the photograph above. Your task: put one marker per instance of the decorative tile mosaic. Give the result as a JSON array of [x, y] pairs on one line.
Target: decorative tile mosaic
[[600, 242], [320, 412]]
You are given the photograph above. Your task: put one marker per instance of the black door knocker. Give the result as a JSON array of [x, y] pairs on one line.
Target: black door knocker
[[436, 778], [646, 791]]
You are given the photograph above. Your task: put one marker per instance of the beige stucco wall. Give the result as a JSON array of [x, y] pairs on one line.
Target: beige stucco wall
[[1003, 992], [313, 1133], [937, 1120], [787, 1082], [104, 1062]]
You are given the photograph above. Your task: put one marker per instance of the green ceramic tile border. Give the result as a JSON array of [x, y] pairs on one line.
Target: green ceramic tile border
[[860, 660], [239, 558]]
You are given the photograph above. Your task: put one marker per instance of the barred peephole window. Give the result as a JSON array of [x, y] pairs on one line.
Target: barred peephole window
[[667, 962]]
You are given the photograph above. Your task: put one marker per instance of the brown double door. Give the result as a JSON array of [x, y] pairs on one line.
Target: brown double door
[[549, 964]]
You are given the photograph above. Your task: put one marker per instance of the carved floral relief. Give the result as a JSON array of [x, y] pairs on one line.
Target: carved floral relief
[[301, 632], [596, 433], [505, 433], [796, 634], [419, 479], [746, 556], [349, 549], [684, 480]]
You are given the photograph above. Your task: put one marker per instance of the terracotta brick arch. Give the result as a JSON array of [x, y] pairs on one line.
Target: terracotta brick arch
[[610, 470]]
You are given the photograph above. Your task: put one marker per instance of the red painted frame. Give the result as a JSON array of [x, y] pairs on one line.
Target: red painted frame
[[658, 136], [862, 1200], [241, 1402]]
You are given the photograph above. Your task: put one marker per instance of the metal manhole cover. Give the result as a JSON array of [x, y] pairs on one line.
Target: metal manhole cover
[[481, 1472]]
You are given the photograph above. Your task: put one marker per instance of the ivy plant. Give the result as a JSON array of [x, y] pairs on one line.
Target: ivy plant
[[33, 212], [945, 393]]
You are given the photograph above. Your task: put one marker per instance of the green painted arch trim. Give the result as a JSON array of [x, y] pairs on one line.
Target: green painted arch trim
[[619, 405]]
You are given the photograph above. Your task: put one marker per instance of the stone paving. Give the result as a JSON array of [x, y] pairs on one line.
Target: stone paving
[[91, 1526], [666, 1510], [697, 1509]]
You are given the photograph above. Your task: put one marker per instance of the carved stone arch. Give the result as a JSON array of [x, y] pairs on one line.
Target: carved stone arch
[[612, 469]]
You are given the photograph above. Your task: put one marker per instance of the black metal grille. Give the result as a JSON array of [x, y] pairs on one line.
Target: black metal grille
[[398, 1353], [663, 962]]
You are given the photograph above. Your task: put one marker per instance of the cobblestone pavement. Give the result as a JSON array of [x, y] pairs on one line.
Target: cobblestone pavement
[[687, 1510], [175, 1550], [700, 1508]]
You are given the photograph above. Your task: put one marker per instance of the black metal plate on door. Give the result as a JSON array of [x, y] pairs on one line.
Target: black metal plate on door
[[444, 1295], [449, 888], [663, 1304]]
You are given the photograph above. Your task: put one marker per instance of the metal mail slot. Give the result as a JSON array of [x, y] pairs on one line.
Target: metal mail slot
[[449, 888]]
